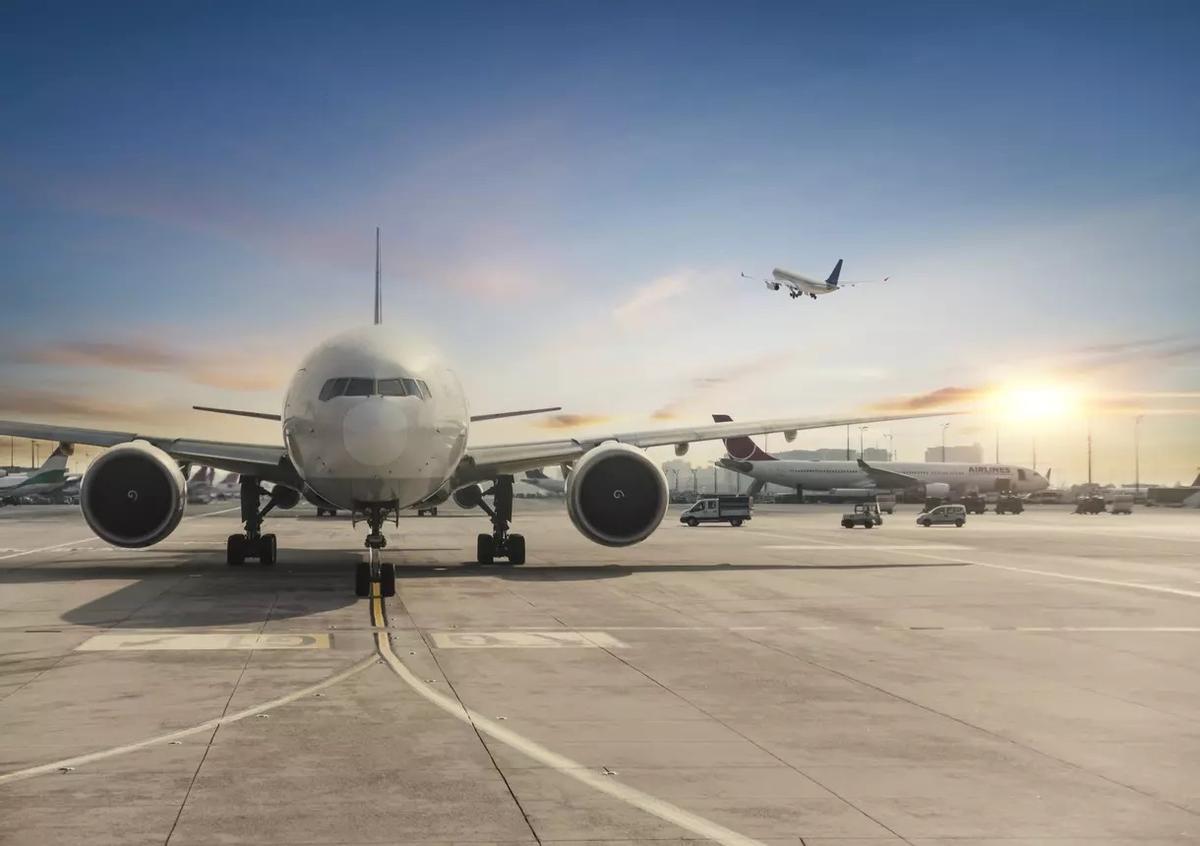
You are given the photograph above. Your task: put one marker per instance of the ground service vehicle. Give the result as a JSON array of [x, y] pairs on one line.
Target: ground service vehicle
[[1009, 504], [733, 510], [944, 515], [886, 502], [1093, 504], [974, 503], [1122, 504], [865, 514]]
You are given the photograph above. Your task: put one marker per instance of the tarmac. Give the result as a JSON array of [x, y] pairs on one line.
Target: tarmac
[[1027, 679]]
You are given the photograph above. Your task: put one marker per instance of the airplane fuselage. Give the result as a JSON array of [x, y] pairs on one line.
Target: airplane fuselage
[[803, 284], [828, 475], [392, 433]]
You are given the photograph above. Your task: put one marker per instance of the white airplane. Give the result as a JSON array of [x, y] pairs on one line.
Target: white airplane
[[375, 422], [47, 479], [540, 480], [937, 479], [798, 285]]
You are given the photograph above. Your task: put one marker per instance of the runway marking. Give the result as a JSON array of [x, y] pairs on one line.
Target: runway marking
[[80, 760], [1069, 576], [134, 641], [546, 639], [823, 548], [598, 781], [93, 537]]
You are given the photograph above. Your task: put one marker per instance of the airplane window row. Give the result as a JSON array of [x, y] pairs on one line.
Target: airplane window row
[[359, 387]]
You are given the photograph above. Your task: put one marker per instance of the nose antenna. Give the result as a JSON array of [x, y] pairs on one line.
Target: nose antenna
[[378, 287]]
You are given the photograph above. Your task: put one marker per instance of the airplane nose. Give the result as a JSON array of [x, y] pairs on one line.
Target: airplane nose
[[375, 432]]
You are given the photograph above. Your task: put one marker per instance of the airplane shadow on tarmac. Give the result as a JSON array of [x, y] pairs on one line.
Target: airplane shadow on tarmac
[[196, 589]]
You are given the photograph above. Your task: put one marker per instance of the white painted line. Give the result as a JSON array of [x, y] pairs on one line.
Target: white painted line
[[138, 641], [1069, 576], [605, 784], [948, 546], [525, 640], [93, 537], [81, 760]]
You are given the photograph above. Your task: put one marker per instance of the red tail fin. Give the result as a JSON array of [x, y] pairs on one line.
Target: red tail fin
[[741, 447]]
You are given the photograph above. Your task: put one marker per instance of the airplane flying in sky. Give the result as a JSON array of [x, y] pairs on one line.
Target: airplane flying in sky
[[798, 285], [375, 422], [937, 479], [47, 479]]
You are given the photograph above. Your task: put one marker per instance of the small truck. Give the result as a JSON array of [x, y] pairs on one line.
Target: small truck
[[1009, 503], [733, 510], [865, 514], [974, 503]]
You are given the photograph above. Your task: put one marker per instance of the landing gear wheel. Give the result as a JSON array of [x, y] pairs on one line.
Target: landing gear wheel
[[516, 550], [266, 550], [387, 579], [362, 579], [485, 549], [235, 551]]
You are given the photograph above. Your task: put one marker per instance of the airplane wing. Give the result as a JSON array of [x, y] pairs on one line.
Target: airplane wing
[[487, 462], [888, 478], [269, 463]]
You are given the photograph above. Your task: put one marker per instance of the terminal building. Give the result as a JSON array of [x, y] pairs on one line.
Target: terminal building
[[964, 454]]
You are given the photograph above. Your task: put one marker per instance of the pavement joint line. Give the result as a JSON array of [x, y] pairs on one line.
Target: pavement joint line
[[208, 725], [1069, 576], [92, 539], [604, 784]]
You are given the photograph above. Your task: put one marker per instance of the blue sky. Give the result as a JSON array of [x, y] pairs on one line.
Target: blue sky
[[580, 185]]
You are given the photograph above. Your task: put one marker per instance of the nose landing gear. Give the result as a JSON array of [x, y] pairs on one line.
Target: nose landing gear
[[252, 544], [375, 570], [500, 543]]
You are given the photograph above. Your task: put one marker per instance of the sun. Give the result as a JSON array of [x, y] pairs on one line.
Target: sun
[[1036, 402]]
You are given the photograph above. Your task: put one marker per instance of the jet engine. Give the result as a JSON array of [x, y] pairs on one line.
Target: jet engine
[[133, 495], [285, 497], [616, 495], [937, 490]]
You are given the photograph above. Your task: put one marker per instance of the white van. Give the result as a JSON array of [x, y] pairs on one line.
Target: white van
[[944, 515]]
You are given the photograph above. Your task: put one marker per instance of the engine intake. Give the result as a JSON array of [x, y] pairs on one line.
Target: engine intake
[[133, 495], [616, 495]]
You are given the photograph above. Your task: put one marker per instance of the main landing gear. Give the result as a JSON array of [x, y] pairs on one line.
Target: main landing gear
[[500, 544], [375, 570], [252, 544]]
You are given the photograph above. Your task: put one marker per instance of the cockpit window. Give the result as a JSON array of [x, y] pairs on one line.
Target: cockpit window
[[410, 387], [360, 387], [392, 388], [424, 389], [333, 388]]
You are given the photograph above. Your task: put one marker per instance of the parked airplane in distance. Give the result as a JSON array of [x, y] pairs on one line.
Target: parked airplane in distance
[[798, 285], [540, 480], [375, 422], [47, 479], [936, 479]]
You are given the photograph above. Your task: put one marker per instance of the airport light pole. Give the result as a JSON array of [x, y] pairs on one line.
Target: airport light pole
[[891, 452], [1089, 455], [1137, 456], [695, 481], [716, 487], [945, 426], [847, 441], [861, 431]]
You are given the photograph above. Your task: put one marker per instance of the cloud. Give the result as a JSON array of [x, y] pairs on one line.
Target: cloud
[[932, 400], [647, 298], [571, 421], [80, 405], [241, 373]]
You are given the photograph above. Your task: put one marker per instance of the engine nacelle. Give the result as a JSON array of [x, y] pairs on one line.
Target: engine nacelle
[[285, 497], [616, 495], [468, 497], [133, 495], [937, 490]]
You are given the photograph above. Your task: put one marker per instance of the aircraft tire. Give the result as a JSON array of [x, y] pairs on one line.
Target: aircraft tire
[[485, 550], [516, 550], [235, 551], [387, 579], [362, 579]]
